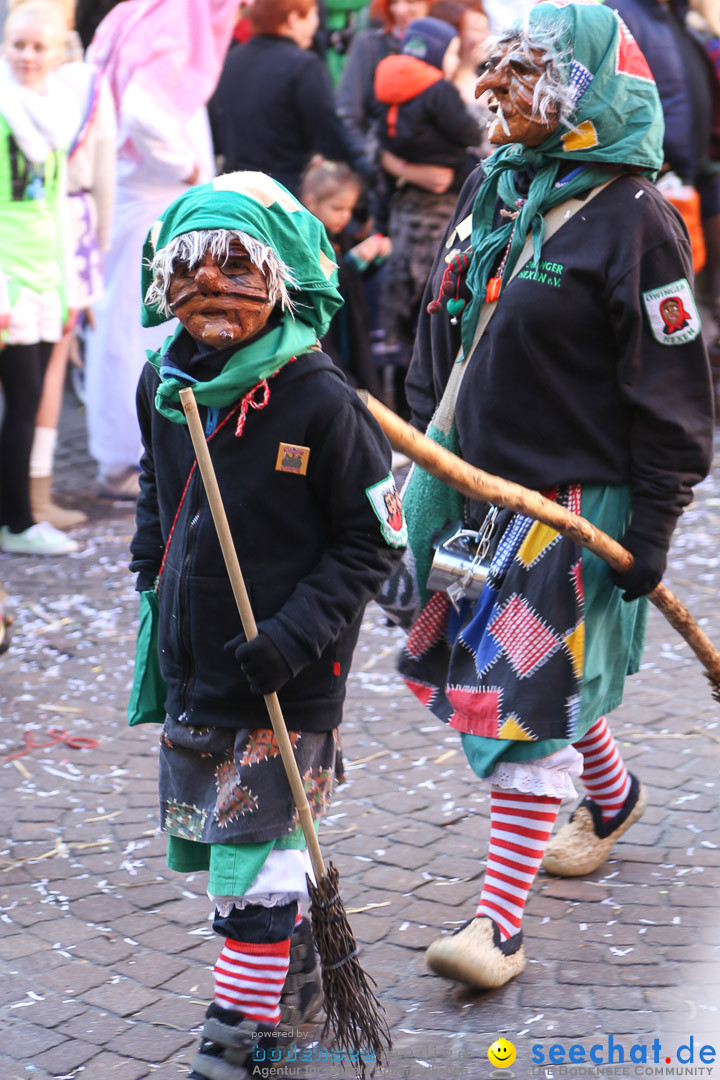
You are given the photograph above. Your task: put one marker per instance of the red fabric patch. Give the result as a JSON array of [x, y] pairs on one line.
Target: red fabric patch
[[577, 580], [630, 60], [477, 712], [423, 693], [429, 626], [523, 636], [336, 668]]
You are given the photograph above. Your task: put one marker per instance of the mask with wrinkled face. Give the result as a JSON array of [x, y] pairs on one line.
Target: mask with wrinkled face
[[220, 302], [511, 74]]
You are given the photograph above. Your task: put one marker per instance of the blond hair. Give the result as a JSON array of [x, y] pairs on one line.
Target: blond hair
[[66, 7], [58, 13]]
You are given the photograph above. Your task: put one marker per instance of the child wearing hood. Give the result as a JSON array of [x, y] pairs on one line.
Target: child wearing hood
[[304, 471], [425, 123]]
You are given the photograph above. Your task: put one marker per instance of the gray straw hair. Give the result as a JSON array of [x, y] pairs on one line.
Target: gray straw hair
[[553, 96], [191, 247]]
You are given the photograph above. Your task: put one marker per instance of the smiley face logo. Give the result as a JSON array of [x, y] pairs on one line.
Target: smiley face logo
[[502, 1054]]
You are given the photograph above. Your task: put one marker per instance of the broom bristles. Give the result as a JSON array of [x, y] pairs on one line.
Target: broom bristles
[[353, 1015], [715, 686]]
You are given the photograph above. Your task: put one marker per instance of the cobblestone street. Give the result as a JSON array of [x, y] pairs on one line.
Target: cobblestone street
[[106, 954]]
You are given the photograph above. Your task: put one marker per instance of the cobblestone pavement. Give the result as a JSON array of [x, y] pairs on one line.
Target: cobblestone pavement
[[106, 954]]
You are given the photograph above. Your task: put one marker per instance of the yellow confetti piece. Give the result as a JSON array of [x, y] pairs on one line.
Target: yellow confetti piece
[[445, 757], [368, 907], [58, 708], [103, 817], [370, 757], [378, 656], [21, 769]]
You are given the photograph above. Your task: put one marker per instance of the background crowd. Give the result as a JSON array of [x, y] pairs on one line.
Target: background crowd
[[367, 113]]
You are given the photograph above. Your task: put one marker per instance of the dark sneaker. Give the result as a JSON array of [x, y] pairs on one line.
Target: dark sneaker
[[302, 995], [234, 1048], [227, 1046]]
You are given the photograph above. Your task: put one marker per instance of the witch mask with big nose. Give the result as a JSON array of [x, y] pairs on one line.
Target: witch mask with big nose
[[220, 302], [510, 74]]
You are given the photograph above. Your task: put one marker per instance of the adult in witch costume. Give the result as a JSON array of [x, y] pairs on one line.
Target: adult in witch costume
[[573, 388], [304, 470]]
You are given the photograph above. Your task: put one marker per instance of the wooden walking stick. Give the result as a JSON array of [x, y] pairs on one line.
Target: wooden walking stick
[[352, 1012], [476, 484]]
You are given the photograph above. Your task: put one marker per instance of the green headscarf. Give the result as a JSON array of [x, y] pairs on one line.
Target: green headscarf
[[617, 119], [255, 204]]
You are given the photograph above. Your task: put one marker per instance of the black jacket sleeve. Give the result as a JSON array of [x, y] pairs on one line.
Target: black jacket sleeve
[[354, 98], [668, 389], [147, 545], [451, 116], [322, 129]]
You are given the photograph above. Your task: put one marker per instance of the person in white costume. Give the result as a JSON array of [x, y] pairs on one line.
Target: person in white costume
[[164, 145]]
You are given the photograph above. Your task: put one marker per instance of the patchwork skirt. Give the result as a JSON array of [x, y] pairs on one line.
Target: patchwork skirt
[[525, 670]]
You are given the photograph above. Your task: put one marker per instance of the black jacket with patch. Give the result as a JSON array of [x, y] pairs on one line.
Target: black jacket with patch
[[311, 547], [570, 382]]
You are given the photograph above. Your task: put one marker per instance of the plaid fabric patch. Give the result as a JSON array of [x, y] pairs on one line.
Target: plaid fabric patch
[[510, 666]]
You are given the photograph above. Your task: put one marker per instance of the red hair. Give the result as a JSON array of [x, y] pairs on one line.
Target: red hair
[[267, 16], [380, 9]]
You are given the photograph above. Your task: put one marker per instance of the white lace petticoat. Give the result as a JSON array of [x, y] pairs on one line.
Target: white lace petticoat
[[550, 775]]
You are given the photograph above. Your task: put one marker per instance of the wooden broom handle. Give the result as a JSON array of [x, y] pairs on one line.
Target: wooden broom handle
[[207, 472], [476, 484]]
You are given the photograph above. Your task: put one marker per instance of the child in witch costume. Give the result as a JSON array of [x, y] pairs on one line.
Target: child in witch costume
[[304, 472]]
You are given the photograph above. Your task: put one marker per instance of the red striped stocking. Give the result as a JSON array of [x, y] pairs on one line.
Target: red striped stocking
[[520, 827], [604, 774], [249, 979]]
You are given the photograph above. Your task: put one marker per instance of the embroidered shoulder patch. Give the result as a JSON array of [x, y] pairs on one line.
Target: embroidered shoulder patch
[[387, 505], [292, 459], [672, 314]]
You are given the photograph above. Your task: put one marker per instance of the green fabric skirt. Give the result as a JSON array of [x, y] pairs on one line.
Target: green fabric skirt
[[614, 640], [232, 867]]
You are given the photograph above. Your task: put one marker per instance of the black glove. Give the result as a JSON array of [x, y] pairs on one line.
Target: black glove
[[650, 560], [262, 662]]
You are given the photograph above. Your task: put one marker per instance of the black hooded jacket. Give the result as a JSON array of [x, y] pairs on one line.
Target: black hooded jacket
[[312, 544]]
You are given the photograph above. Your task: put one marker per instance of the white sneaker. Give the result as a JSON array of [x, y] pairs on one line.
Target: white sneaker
[[40, 539]]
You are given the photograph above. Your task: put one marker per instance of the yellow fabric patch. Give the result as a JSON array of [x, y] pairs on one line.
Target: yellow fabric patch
[[155, 233], [575, 643], [582, 138], [292, 459], [537, 541], [327, 265], [258, 186], [513, 729]]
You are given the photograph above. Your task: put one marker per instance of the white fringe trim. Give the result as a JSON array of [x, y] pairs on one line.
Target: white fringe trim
[[550, 775]]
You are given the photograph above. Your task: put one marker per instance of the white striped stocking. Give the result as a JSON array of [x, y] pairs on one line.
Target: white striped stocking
[[604, 775], [520, 827], [249, 979]]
